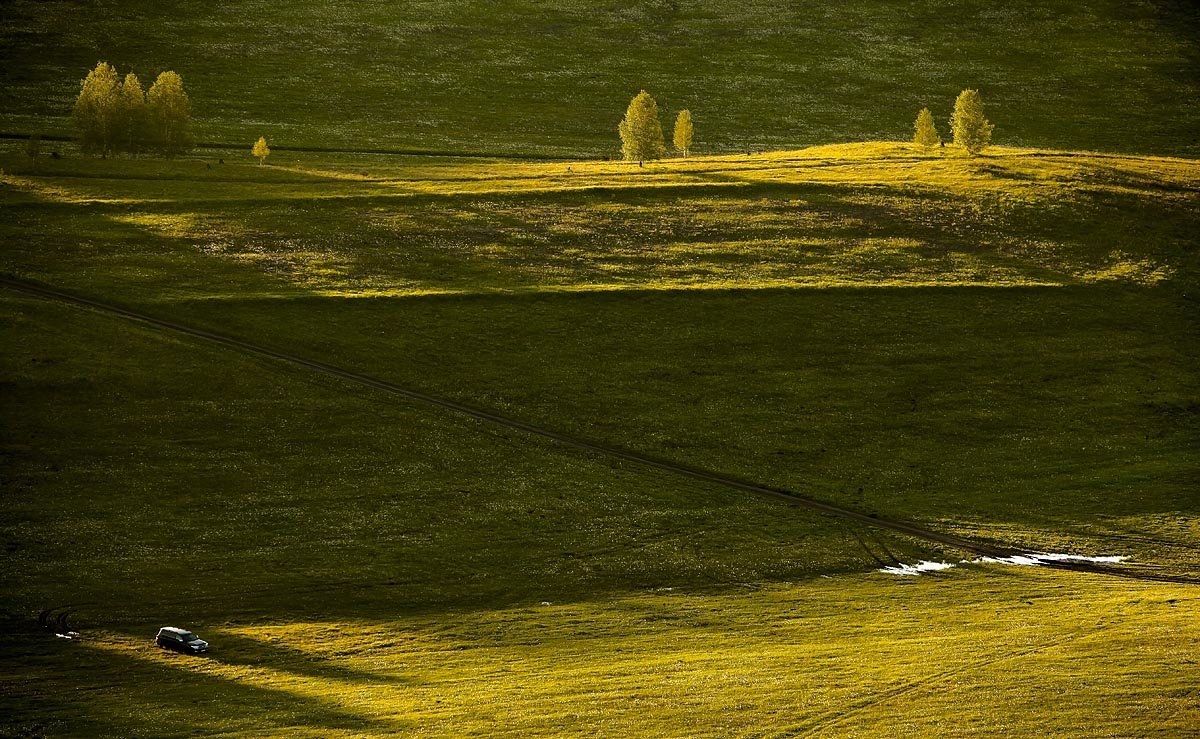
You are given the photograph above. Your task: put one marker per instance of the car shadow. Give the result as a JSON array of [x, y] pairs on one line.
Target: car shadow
[[240, 650]]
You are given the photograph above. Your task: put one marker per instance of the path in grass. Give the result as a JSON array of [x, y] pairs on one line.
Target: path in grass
[[580, 443]]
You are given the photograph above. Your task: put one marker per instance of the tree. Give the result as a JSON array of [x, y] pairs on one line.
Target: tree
[[95, 110], [683, 131], [261, 150], [641, 132], [130, 116], [972, 131], [926, 132], [169, 114]]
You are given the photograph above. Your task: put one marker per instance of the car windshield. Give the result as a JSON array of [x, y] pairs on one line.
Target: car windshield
[[189, 636]]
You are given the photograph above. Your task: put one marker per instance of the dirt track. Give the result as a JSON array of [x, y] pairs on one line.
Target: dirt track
[[982, 548]]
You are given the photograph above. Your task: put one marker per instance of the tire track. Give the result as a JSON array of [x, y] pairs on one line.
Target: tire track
[[833, 718], [586, 445]]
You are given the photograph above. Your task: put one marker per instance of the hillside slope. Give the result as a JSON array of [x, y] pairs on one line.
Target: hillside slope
[[997, 347], [1000, 348], [553, 78]]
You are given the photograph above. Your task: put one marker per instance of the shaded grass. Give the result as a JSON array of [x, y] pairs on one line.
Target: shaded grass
[[984, 364], [158, 478], [1044, 411]]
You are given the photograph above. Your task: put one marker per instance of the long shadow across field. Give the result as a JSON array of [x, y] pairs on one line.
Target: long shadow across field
[[116, 701], [604, 449]]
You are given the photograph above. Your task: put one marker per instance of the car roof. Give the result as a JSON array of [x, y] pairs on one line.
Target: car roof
[[173, 630]]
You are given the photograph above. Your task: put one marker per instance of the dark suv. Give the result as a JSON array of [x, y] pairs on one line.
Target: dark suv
[[170, 637]]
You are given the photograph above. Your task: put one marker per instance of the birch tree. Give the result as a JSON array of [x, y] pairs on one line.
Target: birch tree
[[170, 114], [683, 132], [261, 150], [131, 115], [971, 130], [926, 135], [641, 132], [95, 110]]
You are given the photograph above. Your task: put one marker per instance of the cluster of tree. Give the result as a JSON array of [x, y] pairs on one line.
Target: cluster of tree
[[971, 130], [113, 115], [642, 134]]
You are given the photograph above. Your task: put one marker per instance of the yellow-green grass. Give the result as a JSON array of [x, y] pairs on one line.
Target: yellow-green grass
[[1000, 347], [858, 215], [976, 652], [554, 77]]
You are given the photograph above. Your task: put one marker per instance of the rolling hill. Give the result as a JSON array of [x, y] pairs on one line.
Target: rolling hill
[[999, 350]]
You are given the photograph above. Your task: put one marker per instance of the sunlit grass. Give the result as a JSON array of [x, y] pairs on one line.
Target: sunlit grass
[[866, 214], [969, 652]]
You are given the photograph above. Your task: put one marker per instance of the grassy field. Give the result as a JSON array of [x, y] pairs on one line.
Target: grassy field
[[553, 78], [1001, 348], [959, 319], [976, 654], [170, 475]]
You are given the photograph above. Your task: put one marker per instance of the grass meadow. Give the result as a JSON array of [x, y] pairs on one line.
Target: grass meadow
[[1001, 348], [997, 348], [552, 78]]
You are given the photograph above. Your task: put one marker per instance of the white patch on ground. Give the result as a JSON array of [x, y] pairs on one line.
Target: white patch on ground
[[918, 568], [1033, 560], [1022, 560]]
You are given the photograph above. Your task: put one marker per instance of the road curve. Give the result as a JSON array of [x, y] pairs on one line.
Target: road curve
[[645, 460]]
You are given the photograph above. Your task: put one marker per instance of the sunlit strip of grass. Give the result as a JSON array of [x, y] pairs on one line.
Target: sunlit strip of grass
[[862, 652], [1017, 173]]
